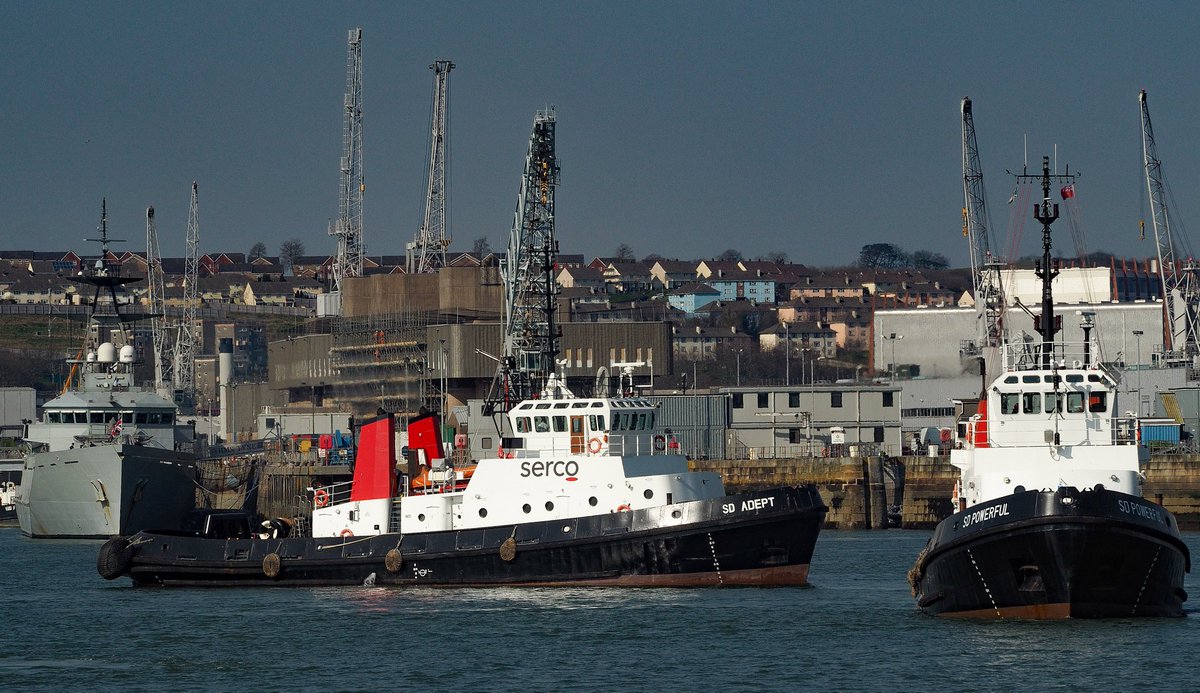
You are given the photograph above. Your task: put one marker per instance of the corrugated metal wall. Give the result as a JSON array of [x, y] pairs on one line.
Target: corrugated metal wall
[[698, 422]]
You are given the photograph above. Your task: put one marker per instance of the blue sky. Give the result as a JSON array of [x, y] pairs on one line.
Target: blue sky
[[683, 128]]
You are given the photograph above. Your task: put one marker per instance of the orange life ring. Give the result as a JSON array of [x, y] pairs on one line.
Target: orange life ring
[[594, 445], [660, 443], [321, 498], [623, 508], [347, 533]]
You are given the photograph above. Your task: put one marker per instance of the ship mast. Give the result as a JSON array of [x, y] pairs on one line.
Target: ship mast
[[1047, 268]]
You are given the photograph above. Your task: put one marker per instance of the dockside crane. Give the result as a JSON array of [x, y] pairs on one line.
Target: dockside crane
[[1181, 294], [348, 228], [531, 336], [985, 267], [159, 328], [185, 338], [427, 251]]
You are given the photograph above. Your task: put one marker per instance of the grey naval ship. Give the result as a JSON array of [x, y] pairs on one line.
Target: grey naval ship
[[108, 457]]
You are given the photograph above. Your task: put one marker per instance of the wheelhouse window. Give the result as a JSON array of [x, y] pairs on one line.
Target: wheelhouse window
[[1074, 402], [1010, 402], [96, 417], [1098, 402], [541, 424], [560, 424], [523, 425], [1053, 403], [1031, 403], [53, 417]]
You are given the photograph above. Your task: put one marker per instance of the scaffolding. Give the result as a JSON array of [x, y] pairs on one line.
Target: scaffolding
[[382, 362]]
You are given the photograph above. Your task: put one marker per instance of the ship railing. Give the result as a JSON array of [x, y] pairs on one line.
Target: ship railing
[[1025, 356], [644, 443], [1120, 430], [331, 494]]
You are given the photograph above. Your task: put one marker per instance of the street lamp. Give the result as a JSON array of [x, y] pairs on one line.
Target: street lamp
[[892, 337], [787, 355], [1138, 334]]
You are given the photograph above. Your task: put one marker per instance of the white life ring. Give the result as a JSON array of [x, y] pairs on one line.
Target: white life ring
[[594, 445], [660, 443]]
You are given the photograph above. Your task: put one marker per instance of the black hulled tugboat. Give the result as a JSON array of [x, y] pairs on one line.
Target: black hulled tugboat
[[613, 504], [1050, 522], [583, 490]]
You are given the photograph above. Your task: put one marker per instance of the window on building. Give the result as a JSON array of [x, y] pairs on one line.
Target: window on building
[[737, 400], [794, 400], [835, 400], [889, 399], [796, 435], [879, 434], [764, 400]]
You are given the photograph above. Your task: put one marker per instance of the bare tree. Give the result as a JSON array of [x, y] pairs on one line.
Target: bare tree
[[481, 246], [289, 250], [257, 250], [624, 253], [730, 255], [778, 257]]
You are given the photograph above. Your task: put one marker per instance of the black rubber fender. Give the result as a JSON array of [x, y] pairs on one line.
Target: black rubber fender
[[115, 558]]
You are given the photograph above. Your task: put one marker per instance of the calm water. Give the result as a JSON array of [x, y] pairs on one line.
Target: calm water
[[856, 628]]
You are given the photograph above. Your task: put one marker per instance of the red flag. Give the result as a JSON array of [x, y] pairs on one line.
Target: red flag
[[1067, 191]]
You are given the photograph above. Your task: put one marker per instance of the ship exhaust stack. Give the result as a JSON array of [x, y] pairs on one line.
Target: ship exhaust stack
[[224, 375]]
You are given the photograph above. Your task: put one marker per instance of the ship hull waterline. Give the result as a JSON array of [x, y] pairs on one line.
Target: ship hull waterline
[[770, 546], [1102, 554]]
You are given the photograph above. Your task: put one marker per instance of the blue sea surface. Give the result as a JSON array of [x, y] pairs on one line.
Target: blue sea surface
[[855, 628]]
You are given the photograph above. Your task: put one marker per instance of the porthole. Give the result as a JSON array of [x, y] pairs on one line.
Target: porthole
[[592, 501], [483, 512], [549, 505], [648, 494], [676, 514], [526, 509], [421, 517]]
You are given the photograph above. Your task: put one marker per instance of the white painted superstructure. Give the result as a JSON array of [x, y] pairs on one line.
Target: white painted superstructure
[[572, 457], [1044, 428]]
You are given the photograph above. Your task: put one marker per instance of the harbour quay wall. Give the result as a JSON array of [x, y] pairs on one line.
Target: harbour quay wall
[[1173, 481], [915, 492]]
